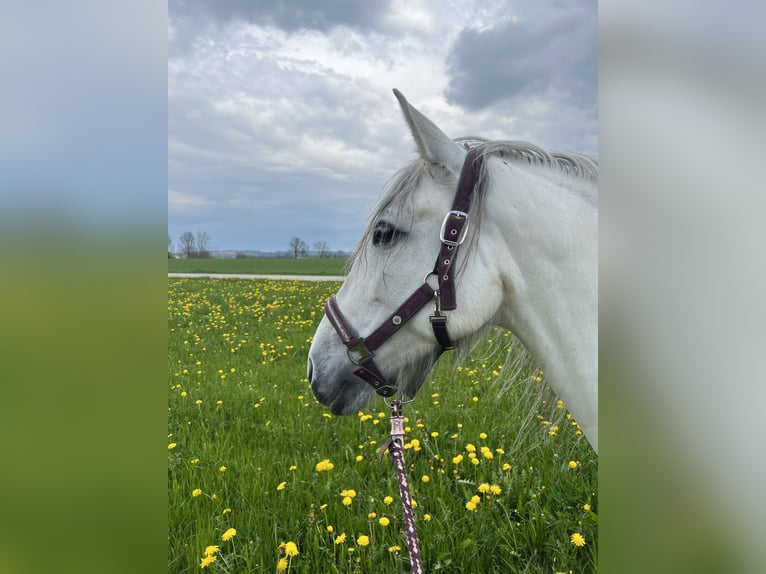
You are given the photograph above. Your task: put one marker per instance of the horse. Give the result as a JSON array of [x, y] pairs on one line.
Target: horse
[[514, 230]]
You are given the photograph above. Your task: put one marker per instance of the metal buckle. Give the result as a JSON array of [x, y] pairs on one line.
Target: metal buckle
[[358, 353], [463, 231]]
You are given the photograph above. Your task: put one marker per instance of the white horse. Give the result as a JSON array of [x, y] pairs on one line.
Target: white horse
[[528, 264]]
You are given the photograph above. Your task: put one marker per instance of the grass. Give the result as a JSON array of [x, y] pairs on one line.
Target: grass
[[246, 436], [260, 266]]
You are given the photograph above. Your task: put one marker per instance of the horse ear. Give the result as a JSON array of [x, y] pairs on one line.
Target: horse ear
[[433, 144]]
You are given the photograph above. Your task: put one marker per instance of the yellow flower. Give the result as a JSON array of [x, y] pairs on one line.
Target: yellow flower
[[229, 534], [388, 500], [222, 469], [372, 515], [470, 448], [281, 564], [341, 538], [362, 540], [475, 461], [495, 489], [394, 548], [577, 539], [347, 500], [291, 549], [506, 466], [484, 487], [210, 550], [324, 465], [281, 485], [350, 492], [425, 478], [207, 561], [483, 436], [196, 492], [586, 507], [573, 464], [359, 458], [434, 434], [226, 510], [172, 445], [471, 505], [330, 529], [458, 459], [427, 517], [384, 521]]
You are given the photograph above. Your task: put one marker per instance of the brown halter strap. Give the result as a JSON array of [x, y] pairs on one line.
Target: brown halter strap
[[361, 350]]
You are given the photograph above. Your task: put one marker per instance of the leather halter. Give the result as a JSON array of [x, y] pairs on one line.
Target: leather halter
[[361, 350]]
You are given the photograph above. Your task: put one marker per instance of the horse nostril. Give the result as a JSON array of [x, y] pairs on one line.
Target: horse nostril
[[310, 370]]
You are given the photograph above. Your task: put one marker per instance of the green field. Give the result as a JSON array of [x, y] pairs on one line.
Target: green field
[[501, 475], [260, 266]]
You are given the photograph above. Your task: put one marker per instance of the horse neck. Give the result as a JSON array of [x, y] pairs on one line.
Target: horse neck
[[546, 230]]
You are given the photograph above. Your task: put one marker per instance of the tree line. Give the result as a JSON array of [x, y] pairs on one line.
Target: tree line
[[197, 246]]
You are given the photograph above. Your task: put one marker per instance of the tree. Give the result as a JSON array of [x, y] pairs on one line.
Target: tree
[[170, 247], [202, 245], [298, 247], [187, 244], [322, 249]]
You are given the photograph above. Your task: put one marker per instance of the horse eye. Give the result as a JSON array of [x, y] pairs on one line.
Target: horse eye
[[385, 234]]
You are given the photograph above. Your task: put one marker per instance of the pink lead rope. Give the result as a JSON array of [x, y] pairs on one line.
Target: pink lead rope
[[394, 446]]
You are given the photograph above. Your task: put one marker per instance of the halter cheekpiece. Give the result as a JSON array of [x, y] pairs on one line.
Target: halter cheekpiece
[[361, 350]]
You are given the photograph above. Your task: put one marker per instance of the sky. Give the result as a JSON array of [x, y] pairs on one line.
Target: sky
[[281, 116]]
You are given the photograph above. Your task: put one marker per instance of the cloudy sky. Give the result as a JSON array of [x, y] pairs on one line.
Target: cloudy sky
[[281, 119]]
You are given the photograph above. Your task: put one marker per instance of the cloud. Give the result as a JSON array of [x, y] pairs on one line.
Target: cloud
[[542, 63], [285, 115]]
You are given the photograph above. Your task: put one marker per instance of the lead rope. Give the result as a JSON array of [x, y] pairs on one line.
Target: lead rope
[[394, 446]]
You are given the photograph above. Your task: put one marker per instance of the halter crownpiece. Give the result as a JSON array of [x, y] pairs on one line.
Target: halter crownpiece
[[361, 350]]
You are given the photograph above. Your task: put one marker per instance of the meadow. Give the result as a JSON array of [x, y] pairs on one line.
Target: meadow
[[260, 266], [262, 478]]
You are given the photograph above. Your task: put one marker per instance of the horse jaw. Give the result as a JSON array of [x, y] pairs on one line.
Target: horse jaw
[[433, 144]]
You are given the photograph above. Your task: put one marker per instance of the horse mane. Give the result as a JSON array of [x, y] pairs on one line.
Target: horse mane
[[403, 184]]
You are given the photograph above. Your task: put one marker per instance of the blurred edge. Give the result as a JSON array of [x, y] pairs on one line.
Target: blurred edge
[[681, 286], [83, 288]]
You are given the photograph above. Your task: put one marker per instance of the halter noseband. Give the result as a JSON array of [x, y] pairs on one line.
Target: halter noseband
[[361, 350]]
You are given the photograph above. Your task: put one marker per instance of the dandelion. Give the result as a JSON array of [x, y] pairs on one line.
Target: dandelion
[[471, 505], [229, 534], [207, 561], [586, 507], [350, 493], [222, 469], [495, 489], [341, 538], [434, 434], [324, 465], [372, 515], [427, 517], [425, 478], [577, 539], [330, 528], [291, 549], [506, 467], [347, 500], [172, 445], [281, 485], [573, 464], [483, 436], [484, 487], [281, 564], [394, 548], [226, 511], [210, 550], [458, 459], [359, 458], [384, 521], [196, 492], [388, 500], [470, 447], [362, 540]]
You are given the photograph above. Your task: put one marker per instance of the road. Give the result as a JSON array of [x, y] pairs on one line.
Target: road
[[248, 276]]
